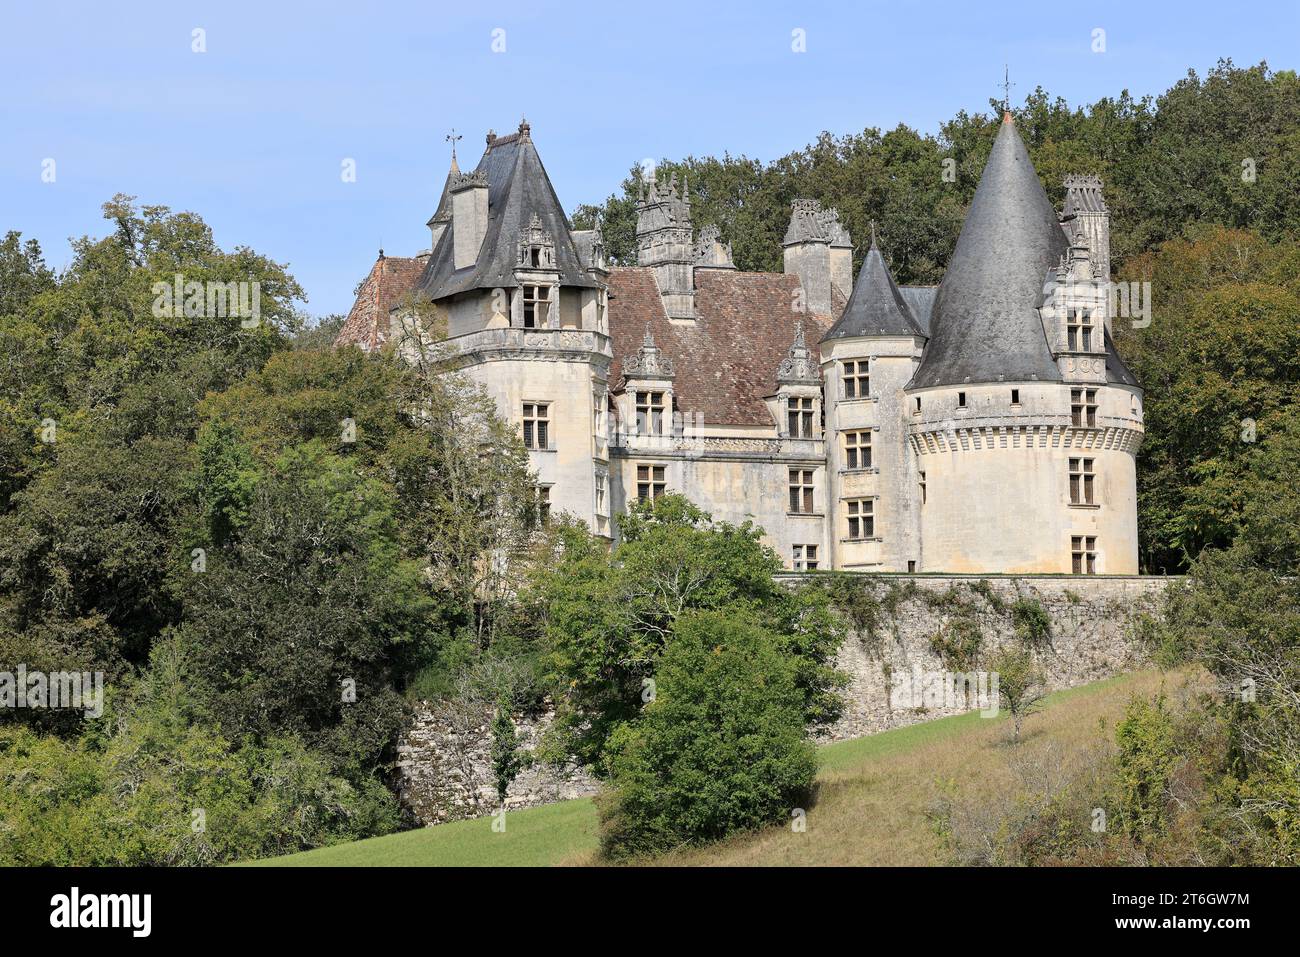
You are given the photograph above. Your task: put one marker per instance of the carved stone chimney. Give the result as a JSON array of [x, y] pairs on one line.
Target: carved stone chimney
[[469, 214]]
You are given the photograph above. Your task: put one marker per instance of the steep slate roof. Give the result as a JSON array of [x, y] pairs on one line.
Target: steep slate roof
[[518, 189], [921, 299], [877, 307], [985, 322], [390, 279], [726, 361]]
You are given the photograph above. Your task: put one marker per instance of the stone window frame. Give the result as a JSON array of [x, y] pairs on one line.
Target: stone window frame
[[1083, 481], [803, 491], [1083, 407], [800, 411], [651, 481], [860, 513], [858, 373], [1079, 329], [534, 301], [537, 426], [853, 460], [1083, 554], [804, 558], [650, 411]]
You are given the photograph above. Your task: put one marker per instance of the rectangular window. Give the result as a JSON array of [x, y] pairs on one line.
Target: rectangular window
[[801, 490], [918, 404], [1078, 330], [799, 412], [1083, 408], [1083, 554], [1015, 396], [650, 413], [537, 300], [857, 450], [922, 488], [961, 400], [649, 482], [1081, 482], [862, 518], [805, 558], [857, 380], [537, 425], [600, 494]]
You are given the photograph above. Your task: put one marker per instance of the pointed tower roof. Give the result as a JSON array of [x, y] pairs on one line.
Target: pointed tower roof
[[518, 191], [876, 307], [443, 213], [985, 323]]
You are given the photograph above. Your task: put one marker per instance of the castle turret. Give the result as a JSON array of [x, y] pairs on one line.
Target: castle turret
[[664, 242], [1023, 419]]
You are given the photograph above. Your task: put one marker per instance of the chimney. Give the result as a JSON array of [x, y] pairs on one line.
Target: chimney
[[469, 217], [664, 243], [1091, 219], [808, 255]]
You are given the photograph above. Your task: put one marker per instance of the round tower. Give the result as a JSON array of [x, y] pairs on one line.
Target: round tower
[[1023, 420]]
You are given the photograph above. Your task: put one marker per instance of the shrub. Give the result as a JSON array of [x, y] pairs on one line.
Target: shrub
[[1020, 684], [720, 749], [958, 644], [1032, 623]]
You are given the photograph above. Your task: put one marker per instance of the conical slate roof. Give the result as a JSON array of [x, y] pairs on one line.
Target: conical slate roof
[[985, 322], [876, 307], [518, 190]]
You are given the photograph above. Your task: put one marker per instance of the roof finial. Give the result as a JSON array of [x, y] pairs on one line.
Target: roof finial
[[648, 342], [451, 138], [873, 235], [1006, 93], [524, 128]]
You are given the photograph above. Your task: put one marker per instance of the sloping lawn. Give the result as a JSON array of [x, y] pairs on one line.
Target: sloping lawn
[[872, 804]]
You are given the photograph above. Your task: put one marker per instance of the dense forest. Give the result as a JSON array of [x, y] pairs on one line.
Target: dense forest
[[270, 548]]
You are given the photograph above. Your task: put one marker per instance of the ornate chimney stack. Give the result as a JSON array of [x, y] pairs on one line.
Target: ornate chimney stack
[[664, 242], [1091, 220], [819, 251]]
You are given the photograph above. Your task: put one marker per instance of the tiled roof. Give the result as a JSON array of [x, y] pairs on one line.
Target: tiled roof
[[726, 360], [390, 279]]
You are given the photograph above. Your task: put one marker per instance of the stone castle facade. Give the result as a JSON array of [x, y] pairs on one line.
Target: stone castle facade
[[984, 425]]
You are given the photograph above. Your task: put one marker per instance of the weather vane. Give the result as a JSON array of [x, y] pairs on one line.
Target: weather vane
[[452, 138], [1006, 89]]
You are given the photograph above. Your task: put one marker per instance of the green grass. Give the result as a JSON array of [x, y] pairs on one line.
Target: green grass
[[567, 832], [534, 837]]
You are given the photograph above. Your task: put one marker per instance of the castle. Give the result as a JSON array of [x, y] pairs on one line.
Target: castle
[[984, 425]]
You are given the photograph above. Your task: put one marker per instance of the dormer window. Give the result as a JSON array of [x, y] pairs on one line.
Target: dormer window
[[1078, 330], [650, 413], [537, 302], [535, 256], [800, 415]]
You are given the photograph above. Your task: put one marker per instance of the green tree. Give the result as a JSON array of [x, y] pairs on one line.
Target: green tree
[[721, 747]]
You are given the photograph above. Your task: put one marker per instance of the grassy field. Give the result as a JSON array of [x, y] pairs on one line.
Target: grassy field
[[872, 807]]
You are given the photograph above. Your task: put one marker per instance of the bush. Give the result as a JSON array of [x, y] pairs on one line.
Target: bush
[[1032, 623], [720, 749]]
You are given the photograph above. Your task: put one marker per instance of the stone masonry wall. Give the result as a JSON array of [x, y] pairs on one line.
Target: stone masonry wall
[[1091, 635], [444, 759]]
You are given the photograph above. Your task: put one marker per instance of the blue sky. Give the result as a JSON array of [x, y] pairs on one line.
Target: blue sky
[[252, 133]]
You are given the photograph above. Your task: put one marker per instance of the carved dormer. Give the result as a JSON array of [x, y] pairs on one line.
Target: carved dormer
[[536, 247], [648, 389], [1074, 316], [799, 391]]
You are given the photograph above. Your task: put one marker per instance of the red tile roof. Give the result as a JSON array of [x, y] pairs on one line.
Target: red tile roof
[[726, 361], [390, 279]]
